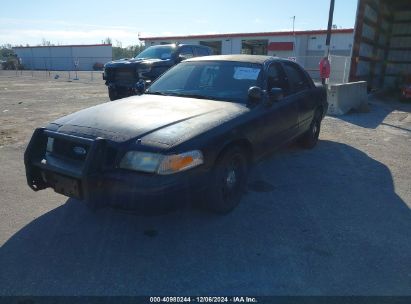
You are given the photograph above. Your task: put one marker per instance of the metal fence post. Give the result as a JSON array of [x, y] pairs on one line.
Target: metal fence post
[[345, 70]]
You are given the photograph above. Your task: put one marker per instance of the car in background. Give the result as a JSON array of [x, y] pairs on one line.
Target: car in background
[[406, 92], [127, 77], [98, 66], [194, 133]]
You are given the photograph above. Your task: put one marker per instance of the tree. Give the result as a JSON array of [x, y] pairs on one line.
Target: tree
[[127, 52], [6, 51], [45, 42], [108, 40]]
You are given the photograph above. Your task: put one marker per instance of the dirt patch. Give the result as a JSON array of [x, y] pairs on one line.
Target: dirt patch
[[26, 104]]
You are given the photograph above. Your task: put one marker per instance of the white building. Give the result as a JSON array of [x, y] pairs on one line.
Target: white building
[[64, 57], [305, 47], [281, 44]]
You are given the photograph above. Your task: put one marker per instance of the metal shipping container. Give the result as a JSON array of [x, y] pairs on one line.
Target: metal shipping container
[[381, 52]]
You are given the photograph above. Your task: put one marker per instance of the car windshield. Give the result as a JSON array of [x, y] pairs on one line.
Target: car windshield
[[157, 52], [219, 80]]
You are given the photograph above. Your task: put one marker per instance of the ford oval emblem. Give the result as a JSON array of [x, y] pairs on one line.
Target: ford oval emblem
[[79, 151]]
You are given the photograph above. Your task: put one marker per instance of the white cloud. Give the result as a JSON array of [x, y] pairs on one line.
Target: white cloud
[[32, 32], [67, 36]]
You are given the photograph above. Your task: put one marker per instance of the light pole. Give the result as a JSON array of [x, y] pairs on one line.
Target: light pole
[[325, 66], [329, 28], [295, 41]]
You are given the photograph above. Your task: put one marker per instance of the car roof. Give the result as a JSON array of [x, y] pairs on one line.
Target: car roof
[[180, 45], [196, 45], [237, 58]]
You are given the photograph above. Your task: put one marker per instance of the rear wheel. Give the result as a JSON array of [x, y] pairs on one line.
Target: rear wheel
[[310, 138], [229, 181]]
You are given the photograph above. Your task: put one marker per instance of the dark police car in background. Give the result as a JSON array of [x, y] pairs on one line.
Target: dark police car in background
[[126, 77], [196, 130]]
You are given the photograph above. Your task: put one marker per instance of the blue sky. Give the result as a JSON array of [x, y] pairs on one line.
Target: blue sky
[[83, 22]]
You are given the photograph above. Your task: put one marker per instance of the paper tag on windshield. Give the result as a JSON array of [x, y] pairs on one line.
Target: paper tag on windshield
[[246, 73]]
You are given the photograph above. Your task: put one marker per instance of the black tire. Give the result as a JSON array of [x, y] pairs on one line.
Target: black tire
[[310, 138], [228, 182], [113, 94]]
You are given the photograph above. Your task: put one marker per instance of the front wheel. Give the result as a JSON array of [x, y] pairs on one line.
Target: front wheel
[[113, 94], [228, 182], [310, 138]]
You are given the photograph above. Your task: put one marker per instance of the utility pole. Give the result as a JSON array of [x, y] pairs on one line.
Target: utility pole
[[329, 29], [295, 41], [325, 66], [293, 17]]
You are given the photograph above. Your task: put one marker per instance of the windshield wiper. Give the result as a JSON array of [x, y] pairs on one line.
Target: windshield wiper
[[198, 96], [158, 93]]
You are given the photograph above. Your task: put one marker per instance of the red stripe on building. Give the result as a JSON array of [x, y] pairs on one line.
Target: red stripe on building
[[281, 46]]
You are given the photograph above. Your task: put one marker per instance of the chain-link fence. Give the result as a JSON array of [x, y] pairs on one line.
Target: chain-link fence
[[89, 69], [81, 76], [63, 63], [340, 67]]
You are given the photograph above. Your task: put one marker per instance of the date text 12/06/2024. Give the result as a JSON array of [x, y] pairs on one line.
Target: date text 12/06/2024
[[203, 300]]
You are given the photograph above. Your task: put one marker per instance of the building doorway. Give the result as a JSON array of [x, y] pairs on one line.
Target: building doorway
[[254, 47]]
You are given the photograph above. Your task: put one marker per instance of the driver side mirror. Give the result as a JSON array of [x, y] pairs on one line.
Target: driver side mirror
[[182, 57], [276, 94], [255, 94]]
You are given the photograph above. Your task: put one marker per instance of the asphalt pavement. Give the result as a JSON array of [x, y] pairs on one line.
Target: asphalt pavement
[[334, 220]]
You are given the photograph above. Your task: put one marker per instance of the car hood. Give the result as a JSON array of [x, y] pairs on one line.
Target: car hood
[[156, 120], [134, 62]]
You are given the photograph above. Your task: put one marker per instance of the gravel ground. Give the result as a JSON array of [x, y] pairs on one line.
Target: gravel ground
[[334, 220]]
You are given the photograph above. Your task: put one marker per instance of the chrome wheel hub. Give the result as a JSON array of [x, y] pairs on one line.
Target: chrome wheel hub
[[231, 179]]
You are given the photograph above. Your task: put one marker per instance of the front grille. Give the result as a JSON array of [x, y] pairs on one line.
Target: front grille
[[69, 149], [124, 75]]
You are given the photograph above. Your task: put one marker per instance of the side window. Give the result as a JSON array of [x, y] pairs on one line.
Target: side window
[[296, 78], [202, 51], [187, 51], [276, 78]]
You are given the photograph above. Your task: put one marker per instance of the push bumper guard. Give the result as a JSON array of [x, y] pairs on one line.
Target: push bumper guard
[[73, 178]]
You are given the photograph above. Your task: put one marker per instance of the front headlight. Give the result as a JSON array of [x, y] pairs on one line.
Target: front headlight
[[161, 164], [141, 161]]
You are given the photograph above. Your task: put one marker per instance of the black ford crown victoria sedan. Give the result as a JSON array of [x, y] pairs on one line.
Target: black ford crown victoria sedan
[[194, 133]]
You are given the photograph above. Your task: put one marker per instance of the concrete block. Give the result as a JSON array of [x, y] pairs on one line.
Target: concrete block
[[345, 97]]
